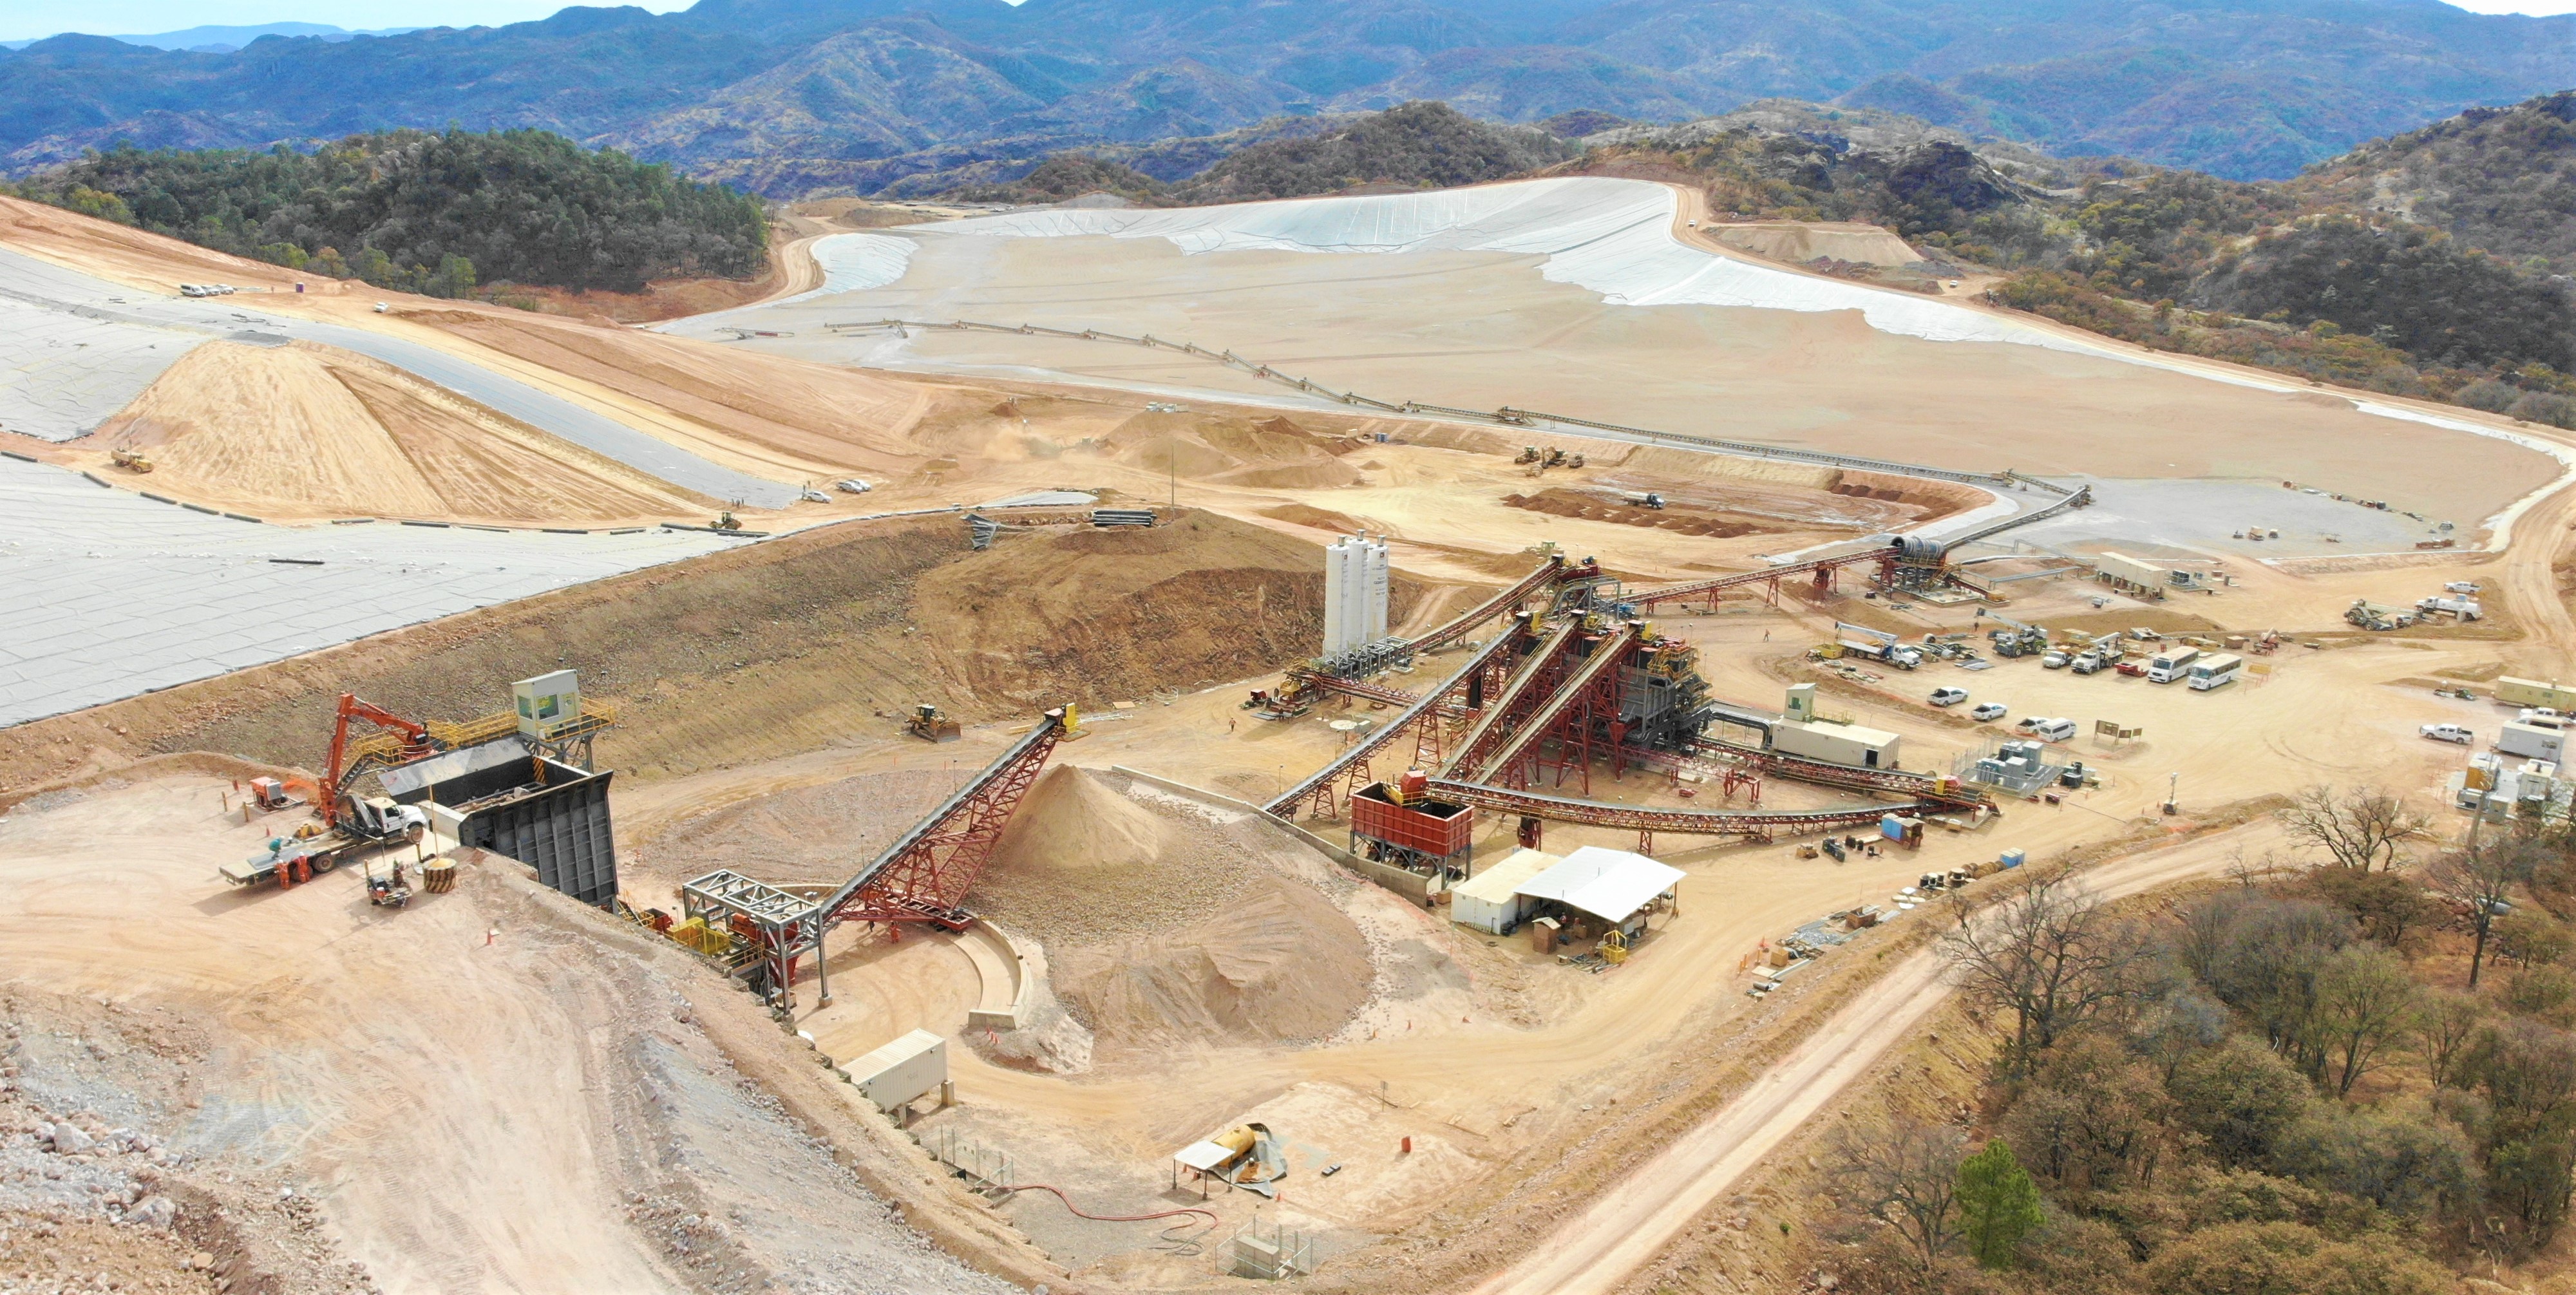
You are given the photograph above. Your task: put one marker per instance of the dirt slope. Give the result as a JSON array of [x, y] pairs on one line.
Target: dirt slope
[[487, 1090], [793, 644], [302, 431], [833, 417]]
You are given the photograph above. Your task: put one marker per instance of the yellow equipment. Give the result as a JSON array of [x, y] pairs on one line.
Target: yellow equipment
[[728, 522], [1613, 947], [1529, 454], [930, 725], [130, 460]]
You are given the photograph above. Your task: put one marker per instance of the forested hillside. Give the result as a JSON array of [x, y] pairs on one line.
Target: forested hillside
[[2310, 1080], [2503, 179], [1414, 145], [431, 213], [2293, 276], [792, 97]]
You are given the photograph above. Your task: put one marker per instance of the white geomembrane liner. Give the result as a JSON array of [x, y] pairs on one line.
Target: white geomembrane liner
[[134, 335], [1613, 237], [850, 263], [109, 594]]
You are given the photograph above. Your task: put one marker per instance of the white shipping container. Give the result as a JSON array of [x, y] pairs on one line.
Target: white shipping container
[[905, 1070]]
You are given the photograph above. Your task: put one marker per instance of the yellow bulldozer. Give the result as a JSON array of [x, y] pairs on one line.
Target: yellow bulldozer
[[130, 460], [931, 724]]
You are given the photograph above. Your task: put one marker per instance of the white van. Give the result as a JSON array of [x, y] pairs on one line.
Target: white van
[[2051, 730]]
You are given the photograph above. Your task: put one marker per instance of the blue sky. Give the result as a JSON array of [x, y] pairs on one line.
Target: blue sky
[[20, 19]]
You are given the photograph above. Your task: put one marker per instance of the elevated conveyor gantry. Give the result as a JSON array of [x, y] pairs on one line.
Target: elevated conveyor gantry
[[923, 876]]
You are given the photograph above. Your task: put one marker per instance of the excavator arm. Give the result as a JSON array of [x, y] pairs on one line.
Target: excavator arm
[[410, 741]]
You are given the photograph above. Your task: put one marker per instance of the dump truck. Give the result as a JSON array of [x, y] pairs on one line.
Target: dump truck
[[1877, 645], [931, 724]]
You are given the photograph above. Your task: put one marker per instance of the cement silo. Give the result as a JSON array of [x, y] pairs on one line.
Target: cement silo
[[1355, 587]]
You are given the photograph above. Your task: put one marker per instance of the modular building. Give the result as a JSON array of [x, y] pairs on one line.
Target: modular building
[[902, 1072], [1852, 744], [2130, 576], [2532, 692], [1490, 900], [2536, 741]]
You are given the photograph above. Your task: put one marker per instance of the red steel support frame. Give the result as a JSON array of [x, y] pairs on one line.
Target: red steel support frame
[[1822, 572]]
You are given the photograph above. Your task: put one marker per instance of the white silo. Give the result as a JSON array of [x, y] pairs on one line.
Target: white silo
[[1355, 585]]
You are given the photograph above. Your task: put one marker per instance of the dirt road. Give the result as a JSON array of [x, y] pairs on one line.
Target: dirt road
[[1597, 1249]]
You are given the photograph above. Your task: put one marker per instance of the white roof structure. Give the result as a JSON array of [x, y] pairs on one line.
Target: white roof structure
[[1609, 884], [1048, 499], [1503, 880]]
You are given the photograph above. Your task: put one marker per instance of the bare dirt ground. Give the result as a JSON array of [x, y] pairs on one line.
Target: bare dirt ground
[[1479, 329], [467, 1108], [488, 1090]]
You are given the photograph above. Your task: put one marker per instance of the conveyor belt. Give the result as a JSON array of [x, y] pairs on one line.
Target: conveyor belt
[[1605, 656], [1495, 719], [1649, 818], [1287, 802], [1492, 607]]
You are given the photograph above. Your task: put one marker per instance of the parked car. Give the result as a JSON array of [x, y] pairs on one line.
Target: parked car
[[1949, 696], [1988, 710], [2448, 733], [2132, 669], [2055, 660]]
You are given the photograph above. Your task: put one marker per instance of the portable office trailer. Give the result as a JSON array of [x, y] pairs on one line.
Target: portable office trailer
[[1488, 902], [1836, 743], [2537, 741], [2532, 692]]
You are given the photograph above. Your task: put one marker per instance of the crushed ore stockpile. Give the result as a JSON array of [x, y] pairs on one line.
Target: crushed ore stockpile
[[820, 833], [113, 594], [1169, 927]]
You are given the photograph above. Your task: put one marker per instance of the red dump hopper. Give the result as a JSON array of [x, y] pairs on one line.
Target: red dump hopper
[[1433, 828]]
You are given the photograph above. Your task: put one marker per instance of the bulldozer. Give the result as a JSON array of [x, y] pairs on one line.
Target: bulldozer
[[1555, 458], [130, 460], [1529, 454], [727, 521], [930, 724]]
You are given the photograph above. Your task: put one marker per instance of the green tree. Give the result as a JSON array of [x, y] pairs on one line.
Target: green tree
[[1998, 1205]]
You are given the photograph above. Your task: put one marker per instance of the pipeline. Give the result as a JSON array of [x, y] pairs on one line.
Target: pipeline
[[1183, 1247]]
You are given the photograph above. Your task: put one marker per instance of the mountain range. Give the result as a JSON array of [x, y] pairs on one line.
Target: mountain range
[[789, 97]]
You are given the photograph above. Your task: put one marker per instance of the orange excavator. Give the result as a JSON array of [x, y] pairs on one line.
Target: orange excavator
[[349, 823]]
